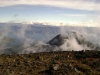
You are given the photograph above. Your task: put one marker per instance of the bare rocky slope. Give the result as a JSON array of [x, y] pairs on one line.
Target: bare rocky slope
[[51, 63]]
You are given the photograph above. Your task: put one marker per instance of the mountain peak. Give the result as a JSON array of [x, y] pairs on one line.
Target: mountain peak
[[72, 41]]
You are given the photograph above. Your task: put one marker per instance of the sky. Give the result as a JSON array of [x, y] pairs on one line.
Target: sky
[[72, 12]]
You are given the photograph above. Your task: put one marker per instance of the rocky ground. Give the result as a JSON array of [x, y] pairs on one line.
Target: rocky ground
[[51, 63]]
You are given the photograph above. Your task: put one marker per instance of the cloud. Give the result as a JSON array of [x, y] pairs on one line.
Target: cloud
[[74, 4], [75, 15]]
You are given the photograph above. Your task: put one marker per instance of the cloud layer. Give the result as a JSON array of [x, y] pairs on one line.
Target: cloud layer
[[25, 38], [74, 4]]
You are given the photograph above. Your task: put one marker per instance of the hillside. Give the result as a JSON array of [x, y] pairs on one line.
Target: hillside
[[51, 63]]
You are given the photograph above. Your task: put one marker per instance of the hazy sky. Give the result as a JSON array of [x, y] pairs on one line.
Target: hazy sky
[[65, 11]]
